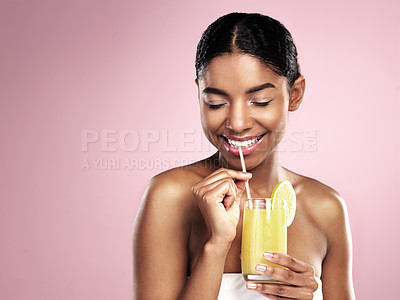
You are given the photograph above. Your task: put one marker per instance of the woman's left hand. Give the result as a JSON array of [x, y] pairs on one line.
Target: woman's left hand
[[297, 280]]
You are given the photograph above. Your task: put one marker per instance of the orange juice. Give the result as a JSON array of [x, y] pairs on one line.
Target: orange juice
[[264, 229]]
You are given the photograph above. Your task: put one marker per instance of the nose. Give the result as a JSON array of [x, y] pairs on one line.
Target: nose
[[239, 118]]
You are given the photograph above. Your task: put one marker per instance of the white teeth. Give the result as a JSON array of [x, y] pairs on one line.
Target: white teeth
[[244, 144]]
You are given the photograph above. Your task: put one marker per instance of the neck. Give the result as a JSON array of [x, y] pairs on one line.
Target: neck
[[266, 175]]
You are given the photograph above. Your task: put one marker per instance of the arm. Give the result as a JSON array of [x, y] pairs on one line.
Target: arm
[[337, 265], [160, 239], [162, 233]]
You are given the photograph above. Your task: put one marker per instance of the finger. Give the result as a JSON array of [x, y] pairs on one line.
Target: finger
[[241, 185], [280, 291], [288, 276], [239, 175], [220, 191], [289, 262], [204, 186], [218, 175], [272, 297], [230, 195]]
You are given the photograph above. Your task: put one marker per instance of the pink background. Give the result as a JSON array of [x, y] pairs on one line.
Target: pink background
[[125, 71]]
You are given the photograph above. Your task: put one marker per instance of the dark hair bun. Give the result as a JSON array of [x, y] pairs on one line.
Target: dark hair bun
[[250, 33]]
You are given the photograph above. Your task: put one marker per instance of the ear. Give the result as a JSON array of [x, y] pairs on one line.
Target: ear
[[198, 90], [297, 93]]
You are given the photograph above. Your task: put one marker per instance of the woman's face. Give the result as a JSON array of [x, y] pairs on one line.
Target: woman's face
[[243, 104]]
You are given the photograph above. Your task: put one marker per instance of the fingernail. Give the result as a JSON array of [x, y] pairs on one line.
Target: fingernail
[[268, 255], [261, 268], [251, 286]]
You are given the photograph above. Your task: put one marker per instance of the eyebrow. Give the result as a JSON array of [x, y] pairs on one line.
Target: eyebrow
[[211, 90]]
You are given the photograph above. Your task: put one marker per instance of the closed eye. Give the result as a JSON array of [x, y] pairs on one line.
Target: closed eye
[[261, 104], [214, 106]]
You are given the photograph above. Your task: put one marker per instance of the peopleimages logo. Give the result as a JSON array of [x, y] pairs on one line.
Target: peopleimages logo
[[131, 140], [142, 143]]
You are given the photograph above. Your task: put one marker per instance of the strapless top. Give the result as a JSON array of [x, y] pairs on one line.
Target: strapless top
[[233, 287]]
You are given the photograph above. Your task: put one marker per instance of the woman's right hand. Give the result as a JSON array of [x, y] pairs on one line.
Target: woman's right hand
[[218, 197]]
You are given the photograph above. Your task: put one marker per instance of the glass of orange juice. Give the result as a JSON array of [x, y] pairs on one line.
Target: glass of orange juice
[[264, 229]]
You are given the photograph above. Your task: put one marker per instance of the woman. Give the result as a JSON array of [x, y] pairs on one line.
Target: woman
[[188, 230]]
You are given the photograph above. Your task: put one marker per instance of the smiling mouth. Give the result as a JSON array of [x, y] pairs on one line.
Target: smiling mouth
[[242, 144]]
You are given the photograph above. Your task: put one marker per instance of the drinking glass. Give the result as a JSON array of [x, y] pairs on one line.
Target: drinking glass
[[264, 229]]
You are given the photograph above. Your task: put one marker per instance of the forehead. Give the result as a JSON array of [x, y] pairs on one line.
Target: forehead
[[238, 72]]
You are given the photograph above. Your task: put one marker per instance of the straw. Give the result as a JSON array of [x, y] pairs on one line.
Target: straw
[[244, 170]]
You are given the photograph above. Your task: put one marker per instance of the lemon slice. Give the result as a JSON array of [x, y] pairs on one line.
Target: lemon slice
[[284, 192]]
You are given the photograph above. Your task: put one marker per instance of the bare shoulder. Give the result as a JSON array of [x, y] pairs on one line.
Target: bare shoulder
[[176, 183], [172, 185], [162, 230], [171, 190], [322, 203], [327, 211]]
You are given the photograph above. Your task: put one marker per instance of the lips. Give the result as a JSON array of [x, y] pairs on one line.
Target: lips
[[248, 144]]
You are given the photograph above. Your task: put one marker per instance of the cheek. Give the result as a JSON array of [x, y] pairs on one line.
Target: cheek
[[275, 120], [210, 125], [212, 120]]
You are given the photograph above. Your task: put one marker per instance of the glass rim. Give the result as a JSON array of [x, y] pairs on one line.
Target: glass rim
[[258, 203]]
